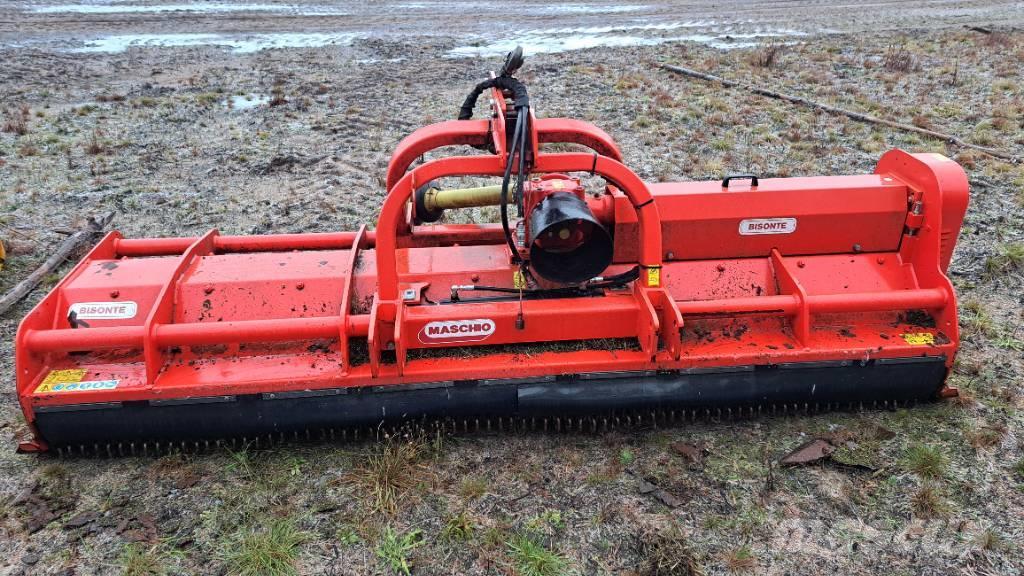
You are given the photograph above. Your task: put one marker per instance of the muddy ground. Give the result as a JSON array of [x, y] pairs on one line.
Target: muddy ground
[[149, 133]]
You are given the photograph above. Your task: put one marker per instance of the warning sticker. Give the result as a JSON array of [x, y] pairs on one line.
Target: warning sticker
[[71, 381], [654, 277], [519, 280], [919, 338]]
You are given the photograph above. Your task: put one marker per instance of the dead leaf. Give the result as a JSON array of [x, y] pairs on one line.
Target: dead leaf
[[187, 481], [808, 453], [646, 487], [691, 453], [81, 519]]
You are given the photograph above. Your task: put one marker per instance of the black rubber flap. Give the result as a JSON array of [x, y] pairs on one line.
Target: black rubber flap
[[286, 413]]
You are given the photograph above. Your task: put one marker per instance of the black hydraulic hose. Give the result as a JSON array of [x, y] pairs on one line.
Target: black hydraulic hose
[[520, 96], [523, 117], [503, 203], [617, 281]]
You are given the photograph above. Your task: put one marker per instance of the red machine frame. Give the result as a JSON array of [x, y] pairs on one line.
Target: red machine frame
[[816, 297]]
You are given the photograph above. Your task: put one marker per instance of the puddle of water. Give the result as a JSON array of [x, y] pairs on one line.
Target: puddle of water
[[563, 40], [554, 8], [240, 45], [193, 7], [199, 7], [590, 9], [247, 101], [380, 60]]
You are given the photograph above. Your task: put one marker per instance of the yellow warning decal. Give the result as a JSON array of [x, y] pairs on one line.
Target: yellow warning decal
[[56, 377], [919, 338], [71, 381], [519, 280], [654, 277]]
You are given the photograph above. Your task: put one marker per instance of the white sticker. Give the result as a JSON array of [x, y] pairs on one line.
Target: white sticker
[[104, 310], [85, 386], [754, 226], [446, 331]]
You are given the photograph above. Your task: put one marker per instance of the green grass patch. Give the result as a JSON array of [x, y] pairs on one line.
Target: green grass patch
[[458, 528], [925, 461], [1009, 258], [139, 560], [264, 549], [531, 558], [395, 549]]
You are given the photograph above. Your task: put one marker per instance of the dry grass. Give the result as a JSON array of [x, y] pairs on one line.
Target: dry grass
[[388, 472], [899, 59], [929, 502], [767, 56], [16, 120], [667, 553], [740, 560]]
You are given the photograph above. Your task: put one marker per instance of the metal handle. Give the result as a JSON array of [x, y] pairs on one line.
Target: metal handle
[[751, 177]]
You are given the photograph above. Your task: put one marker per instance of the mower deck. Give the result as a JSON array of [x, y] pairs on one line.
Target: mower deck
[[778, 293]]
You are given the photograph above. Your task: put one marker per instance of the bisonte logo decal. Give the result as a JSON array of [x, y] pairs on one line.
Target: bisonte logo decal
[[767, 226], [104, 310], [447, 331]]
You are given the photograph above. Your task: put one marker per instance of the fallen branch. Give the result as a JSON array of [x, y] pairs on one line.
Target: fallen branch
[[68, 247], [840, 111]]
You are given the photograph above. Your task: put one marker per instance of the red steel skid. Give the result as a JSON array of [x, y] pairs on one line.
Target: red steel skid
[[793, 320]]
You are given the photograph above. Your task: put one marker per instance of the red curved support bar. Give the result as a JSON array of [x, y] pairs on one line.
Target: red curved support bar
[[475, 133], [553, 130], [450, 133]]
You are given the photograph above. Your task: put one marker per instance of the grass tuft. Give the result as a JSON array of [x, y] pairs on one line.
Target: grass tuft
[[387, 473], [899, 59], [1009, 259], [473, 488], [531, 558], [458, 528], [264, 549], [767, 56], [394, 549], [1018, 468], [926, 461], [991, 541], [741, 559], [139, 560], [667, 553], [16, 121], [928, 502]]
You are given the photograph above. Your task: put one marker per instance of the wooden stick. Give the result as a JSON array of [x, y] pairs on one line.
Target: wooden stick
[[95, 225], [840, 111]]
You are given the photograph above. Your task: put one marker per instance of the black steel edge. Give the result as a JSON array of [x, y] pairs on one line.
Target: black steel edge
[[262, 415]]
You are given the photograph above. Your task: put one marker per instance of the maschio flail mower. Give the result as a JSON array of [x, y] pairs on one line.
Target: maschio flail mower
[[633, 302]]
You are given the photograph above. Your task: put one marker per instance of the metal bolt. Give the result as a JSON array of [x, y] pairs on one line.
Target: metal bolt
[[208, 290], [409, 294], [721, 267], [115, 293], [800, 264], [300, 286], [475, 278], [856, 248], [670, 256], [881, 259]]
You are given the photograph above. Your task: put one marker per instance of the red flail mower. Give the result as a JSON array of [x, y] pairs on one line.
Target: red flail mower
[[582, 308]]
